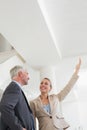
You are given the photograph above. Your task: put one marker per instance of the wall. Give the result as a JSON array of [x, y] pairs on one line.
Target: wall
[[74, 106], [31, 89]]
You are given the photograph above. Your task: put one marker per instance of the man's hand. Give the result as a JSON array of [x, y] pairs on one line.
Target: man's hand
[[24, 129]]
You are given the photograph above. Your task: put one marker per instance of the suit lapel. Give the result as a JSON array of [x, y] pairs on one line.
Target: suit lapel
[[26, 101], [41, 105], [23, 95]]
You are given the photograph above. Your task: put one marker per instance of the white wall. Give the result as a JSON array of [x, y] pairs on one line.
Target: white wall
[[31, 90], [74, 106]]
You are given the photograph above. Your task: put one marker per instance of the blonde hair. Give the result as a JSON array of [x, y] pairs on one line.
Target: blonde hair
[[49, 81], [14, 71]]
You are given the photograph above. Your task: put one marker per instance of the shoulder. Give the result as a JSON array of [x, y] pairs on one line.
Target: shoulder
[[35, 100], [11, 95], [53, 97], [12, 88]]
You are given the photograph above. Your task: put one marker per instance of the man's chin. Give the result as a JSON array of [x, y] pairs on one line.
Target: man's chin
[[26, 83]]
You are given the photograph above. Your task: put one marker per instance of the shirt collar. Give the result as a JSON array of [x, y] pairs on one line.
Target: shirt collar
[[17, 83]]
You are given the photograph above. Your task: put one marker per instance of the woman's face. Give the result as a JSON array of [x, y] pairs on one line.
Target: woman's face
[[45, 86]]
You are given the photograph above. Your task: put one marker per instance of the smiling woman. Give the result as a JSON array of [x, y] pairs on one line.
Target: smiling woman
[[46, 107]]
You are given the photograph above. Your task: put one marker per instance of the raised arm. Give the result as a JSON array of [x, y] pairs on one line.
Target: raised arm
[[63, 93], [77, 67]]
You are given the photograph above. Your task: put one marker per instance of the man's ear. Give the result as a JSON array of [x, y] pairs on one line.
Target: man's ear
[[20, 73]]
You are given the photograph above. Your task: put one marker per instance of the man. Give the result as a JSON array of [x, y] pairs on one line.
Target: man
[[15, 111]]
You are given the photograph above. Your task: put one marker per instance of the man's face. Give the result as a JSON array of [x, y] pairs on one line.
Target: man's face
[[25, 77]]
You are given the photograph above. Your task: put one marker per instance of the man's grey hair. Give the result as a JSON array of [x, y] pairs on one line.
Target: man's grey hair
[[14, 71]]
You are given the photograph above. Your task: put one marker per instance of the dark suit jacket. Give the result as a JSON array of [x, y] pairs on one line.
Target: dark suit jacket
[[14, 108]]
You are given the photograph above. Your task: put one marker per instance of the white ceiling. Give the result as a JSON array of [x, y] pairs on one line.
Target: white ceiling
[[45, 31], [68, 22]]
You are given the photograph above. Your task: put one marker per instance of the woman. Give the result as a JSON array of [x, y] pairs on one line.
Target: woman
[[46, 107]]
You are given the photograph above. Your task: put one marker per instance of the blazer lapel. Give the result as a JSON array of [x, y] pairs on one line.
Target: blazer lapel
[[41, 105], [51, 105], [26, 101]]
